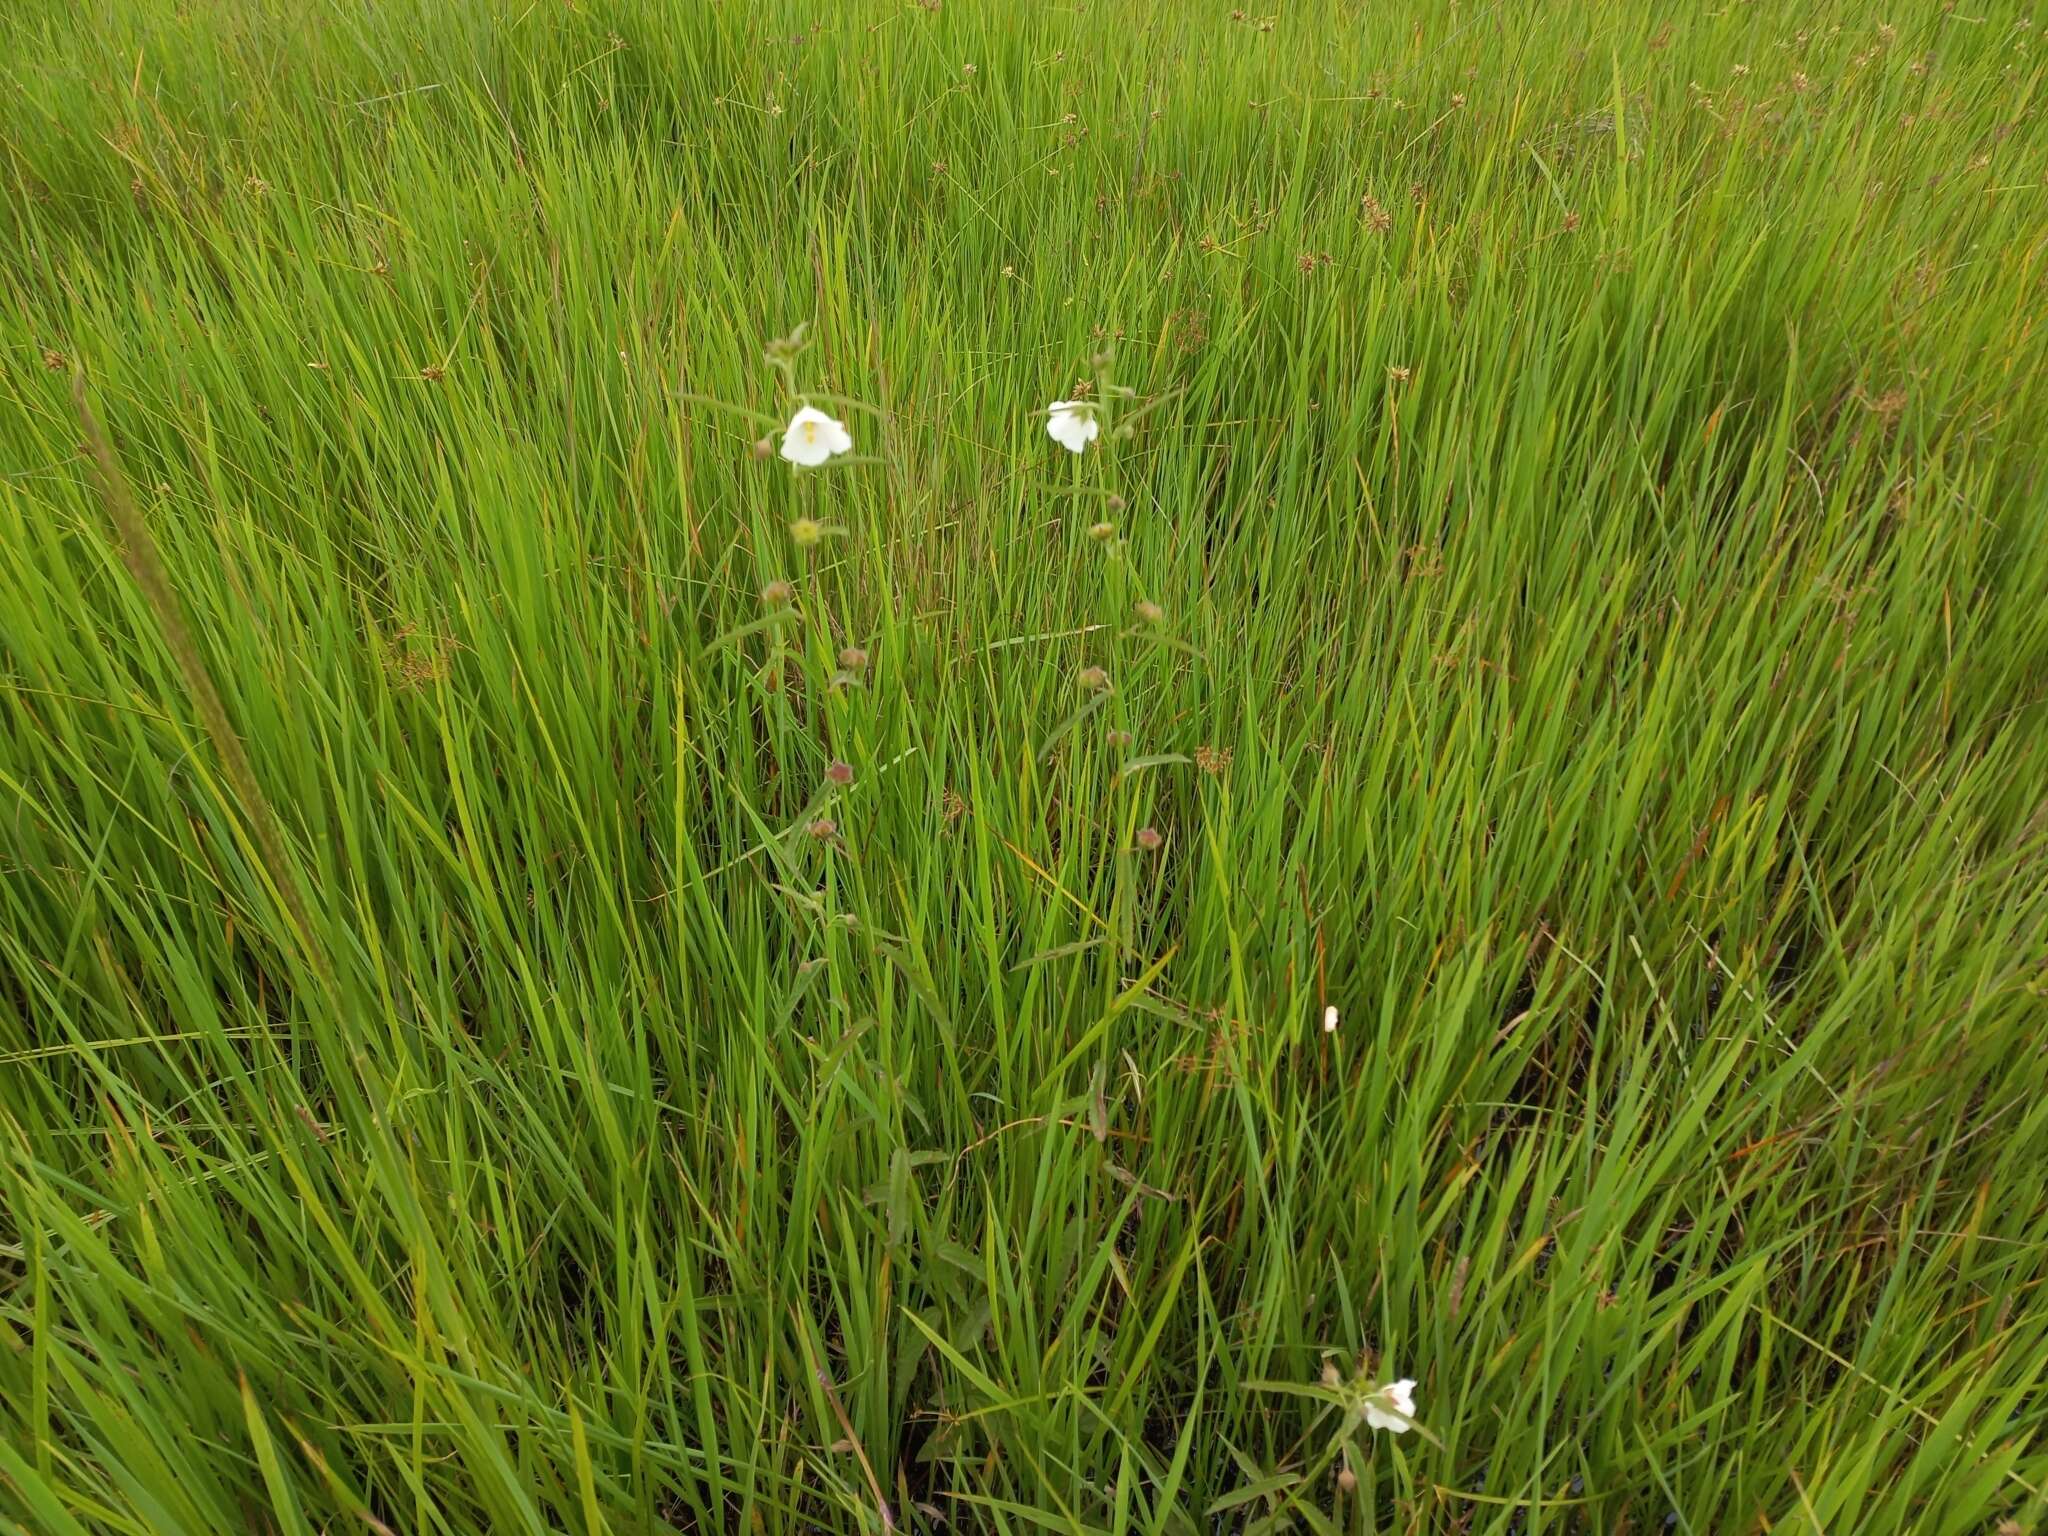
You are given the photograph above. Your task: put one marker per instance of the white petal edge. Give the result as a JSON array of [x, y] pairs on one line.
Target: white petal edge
[[1071, 425], [809, 451]]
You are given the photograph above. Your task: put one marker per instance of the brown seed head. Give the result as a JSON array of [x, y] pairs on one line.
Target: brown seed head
[[837, 772], [1149, 839]]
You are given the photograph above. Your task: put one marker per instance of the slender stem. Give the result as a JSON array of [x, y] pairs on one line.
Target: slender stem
[[145, 563]]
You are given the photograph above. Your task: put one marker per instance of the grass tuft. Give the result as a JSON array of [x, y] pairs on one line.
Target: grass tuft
[[1489, 827]]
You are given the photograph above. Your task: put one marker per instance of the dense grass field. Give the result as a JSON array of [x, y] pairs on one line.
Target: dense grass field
[[559, 973]]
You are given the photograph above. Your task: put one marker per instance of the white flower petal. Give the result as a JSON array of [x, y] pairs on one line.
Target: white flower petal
[[1072, 424], [1392, 1408], [812, 437]]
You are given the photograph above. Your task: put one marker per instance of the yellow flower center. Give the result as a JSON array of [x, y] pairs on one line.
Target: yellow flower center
[[810, 431]]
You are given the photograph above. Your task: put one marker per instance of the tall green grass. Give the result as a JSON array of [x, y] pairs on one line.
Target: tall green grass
[[1591, 491]]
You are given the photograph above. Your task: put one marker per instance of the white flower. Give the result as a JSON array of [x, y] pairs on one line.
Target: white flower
[[1330, 1019], [813, 437], [1392, 1407], [1072, 424]]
